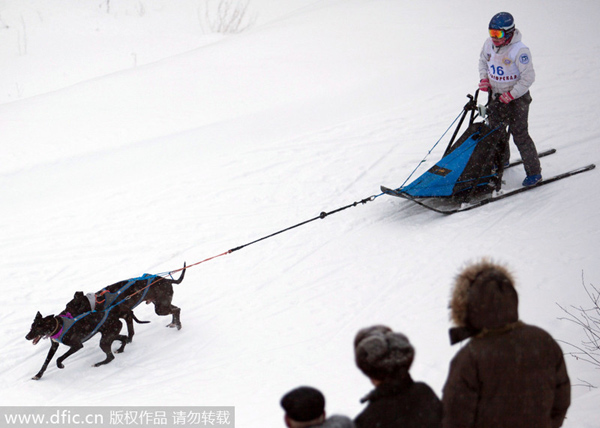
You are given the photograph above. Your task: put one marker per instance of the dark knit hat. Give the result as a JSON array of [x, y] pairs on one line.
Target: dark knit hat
[[303, 404], [381, 353]]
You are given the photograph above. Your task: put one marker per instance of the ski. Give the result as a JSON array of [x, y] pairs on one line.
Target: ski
[[491, 199], [393, 192], [540, 155]]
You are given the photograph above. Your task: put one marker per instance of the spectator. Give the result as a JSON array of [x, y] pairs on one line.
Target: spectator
[[385, 358], [305, 407], [510, 374]]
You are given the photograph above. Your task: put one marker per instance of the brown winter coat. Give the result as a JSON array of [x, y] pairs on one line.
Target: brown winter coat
[[510, 374]]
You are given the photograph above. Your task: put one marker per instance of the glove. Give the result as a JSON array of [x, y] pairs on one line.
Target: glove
[[484, 85], [506, 97]]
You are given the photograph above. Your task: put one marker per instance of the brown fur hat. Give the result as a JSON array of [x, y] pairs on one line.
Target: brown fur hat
[[484, 296], [381, 353]]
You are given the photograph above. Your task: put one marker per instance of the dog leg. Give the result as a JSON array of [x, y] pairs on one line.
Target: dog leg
[[130, 332], [164, 308], [175, 323], [74, 348], [51, 353], [105, 344], [124, 341]]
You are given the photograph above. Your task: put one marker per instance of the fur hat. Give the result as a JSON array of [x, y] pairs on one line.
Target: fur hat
[[484, 297], [303, 404], [381, 353]]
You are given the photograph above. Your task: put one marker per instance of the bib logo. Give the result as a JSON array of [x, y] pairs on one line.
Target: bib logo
[[524, 59]]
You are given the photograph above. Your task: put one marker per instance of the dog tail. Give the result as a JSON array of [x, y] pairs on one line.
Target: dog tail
[[178, 281], [137, 320]]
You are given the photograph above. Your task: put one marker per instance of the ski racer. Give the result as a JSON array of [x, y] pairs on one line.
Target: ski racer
[[506, 69]]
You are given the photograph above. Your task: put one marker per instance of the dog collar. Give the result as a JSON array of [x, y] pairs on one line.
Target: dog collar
[[58, 335]]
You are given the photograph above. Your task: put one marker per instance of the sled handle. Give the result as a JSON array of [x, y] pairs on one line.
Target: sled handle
[[470, 106]]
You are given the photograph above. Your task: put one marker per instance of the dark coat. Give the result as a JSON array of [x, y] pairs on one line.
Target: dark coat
[[401, 404], [509, 374], [336, 421]]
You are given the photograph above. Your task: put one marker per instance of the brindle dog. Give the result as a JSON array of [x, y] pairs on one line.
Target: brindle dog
[[124, 296]]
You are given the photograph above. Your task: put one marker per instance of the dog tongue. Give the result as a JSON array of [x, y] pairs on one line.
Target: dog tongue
[[36, 340]]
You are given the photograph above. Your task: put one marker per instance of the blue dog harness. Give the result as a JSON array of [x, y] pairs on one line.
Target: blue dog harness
[[112, 297], [68, 321]]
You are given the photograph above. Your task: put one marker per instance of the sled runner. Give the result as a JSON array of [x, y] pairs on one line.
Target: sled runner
[[469, 174]]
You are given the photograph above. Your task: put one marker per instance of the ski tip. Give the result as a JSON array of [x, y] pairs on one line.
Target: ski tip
[[387, 190], [585, 168]]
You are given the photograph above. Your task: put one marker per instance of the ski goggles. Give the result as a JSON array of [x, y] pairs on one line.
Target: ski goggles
[[496, 34]]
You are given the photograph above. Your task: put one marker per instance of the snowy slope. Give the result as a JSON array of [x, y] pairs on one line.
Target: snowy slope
[[134, 140]]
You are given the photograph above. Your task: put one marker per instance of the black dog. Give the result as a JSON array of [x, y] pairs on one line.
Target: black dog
[[73, 332], [81, 303], [124, 296]]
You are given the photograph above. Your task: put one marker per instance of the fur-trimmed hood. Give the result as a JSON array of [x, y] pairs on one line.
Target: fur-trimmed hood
[[484, 298]]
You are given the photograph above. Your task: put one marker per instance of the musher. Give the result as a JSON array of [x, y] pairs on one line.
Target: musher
[[506, 69]]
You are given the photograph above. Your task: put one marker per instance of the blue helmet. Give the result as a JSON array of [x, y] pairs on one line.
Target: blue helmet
[[502, 21]]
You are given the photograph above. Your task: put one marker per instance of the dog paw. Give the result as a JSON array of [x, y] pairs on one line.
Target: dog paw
[[174, 325], [60, 365], [37, 377]]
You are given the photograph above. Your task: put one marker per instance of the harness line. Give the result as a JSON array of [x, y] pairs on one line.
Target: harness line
[[321, 216], [430, 150]]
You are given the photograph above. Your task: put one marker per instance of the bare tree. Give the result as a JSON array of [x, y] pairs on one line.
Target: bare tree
[[588, 318], [226, 16]]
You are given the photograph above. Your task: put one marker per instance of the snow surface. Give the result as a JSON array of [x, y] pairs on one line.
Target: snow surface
[[133, 139]]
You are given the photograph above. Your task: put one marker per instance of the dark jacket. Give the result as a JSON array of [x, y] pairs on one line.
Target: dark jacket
[[336, 421], [402, 403], [509, 374]]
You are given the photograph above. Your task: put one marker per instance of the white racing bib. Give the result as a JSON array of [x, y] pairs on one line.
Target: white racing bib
[[502, 67]]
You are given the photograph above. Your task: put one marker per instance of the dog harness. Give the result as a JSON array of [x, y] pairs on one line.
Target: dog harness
[[100, 324], [110, 298], [92, 299], [67, 322]]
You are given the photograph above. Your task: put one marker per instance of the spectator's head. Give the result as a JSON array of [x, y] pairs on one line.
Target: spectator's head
[[484, 296], [382, 354], [304, 407]]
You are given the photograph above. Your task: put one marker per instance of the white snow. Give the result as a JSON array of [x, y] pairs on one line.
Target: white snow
[[133, 139]]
